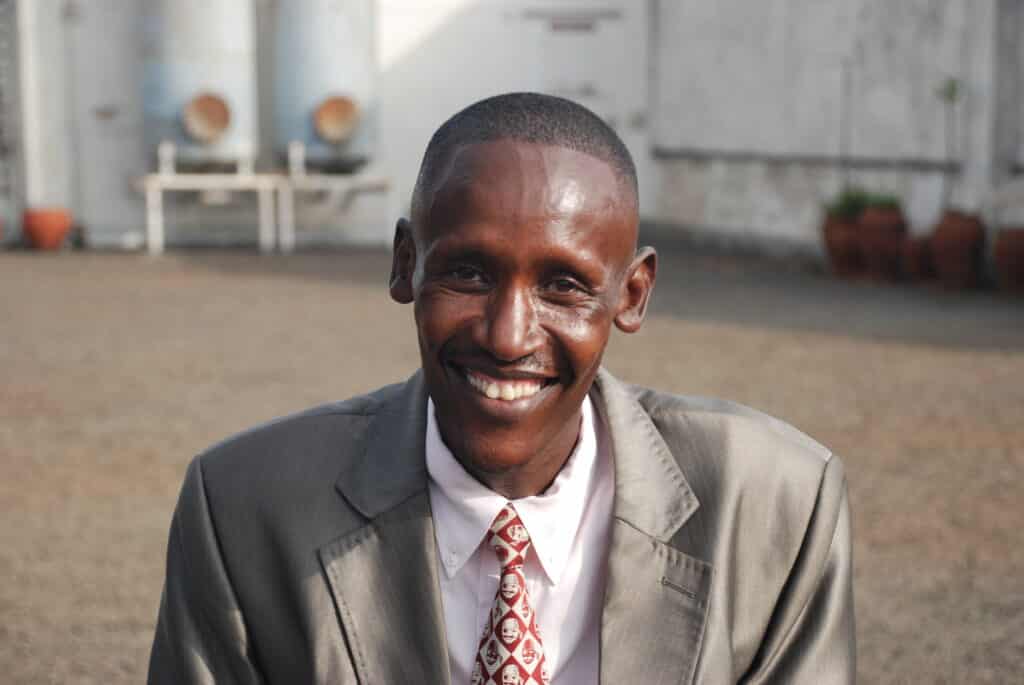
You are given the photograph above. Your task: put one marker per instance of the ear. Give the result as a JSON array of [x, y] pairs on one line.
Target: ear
[[637, 290], [403, 263]]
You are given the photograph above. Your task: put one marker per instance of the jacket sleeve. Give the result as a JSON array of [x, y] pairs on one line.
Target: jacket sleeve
[[810, 639], [200, 632]]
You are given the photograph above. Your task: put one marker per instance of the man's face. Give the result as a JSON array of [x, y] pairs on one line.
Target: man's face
[[519, 261]]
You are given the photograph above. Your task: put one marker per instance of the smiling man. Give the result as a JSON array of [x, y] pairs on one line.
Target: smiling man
[[513, 513]]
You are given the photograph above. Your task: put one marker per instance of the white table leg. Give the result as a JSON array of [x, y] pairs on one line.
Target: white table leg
[[154, 219], [286, 221], [266, 210]]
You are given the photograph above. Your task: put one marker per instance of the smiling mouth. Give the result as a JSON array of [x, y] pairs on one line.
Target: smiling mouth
[[504, 389]]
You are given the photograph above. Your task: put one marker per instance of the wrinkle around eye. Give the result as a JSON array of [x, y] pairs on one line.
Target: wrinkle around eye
[[577, 298]]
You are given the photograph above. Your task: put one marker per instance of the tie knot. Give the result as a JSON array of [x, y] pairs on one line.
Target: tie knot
[[508, 537]]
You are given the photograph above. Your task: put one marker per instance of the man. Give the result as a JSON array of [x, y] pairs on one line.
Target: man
[[513, 513]]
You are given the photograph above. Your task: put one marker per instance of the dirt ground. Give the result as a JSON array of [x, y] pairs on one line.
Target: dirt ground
[[116, 369]]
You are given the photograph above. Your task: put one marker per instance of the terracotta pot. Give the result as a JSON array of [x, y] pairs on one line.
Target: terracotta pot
[[46, 229], [916, 258], [957, 249], [881, 233], [1009, 259], [842, 246]]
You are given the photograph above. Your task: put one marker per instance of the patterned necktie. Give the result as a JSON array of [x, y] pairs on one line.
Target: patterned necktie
[[510, 651]]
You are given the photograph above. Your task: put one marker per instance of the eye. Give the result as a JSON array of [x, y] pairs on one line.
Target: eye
[[565, 285], [465, 277], [464, 272]]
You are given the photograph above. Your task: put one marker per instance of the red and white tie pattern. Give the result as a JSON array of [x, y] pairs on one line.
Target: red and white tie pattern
[[510, 651]]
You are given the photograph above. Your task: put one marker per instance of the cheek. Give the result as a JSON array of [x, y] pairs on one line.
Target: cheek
[[441, 316], [582, 334]]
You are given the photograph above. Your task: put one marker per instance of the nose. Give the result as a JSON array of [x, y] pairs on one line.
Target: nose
[[511, 330]]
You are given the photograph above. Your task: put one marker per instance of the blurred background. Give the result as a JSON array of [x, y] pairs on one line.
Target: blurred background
[[196, 199]]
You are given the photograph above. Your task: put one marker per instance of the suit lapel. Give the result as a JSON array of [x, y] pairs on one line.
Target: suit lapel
[[656, 597], [385, 586], [383, 575]]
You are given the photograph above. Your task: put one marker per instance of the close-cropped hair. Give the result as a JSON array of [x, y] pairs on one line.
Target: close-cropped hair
[[529, 118]]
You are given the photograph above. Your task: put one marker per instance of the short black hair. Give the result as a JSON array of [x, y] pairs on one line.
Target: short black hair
[[530, 118]]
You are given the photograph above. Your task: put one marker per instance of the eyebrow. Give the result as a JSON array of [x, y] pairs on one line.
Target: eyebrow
[[564, 259]]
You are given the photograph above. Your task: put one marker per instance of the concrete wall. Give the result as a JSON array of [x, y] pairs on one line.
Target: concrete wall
[[105, 88], [755, 104], [1008, 158], [47, 146], [1009, 89]]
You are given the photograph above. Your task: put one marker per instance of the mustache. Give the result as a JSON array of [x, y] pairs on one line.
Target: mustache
[[532, 363]]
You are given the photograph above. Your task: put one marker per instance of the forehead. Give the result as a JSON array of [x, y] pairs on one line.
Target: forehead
[[527, 192]]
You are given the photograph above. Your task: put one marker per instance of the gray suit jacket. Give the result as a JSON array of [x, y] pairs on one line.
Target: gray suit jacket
[[303, 551]]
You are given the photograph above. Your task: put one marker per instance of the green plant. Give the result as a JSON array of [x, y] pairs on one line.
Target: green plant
[[883, 201], [849, 203]]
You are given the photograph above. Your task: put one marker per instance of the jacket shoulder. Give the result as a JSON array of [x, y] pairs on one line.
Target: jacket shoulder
[[302, 430], [295, 458], [741, 462], [738, 432], [772, 521]]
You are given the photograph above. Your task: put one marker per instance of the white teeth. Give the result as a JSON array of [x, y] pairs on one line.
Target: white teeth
[[505, 390]]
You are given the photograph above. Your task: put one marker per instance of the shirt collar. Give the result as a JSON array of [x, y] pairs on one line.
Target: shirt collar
[[463, 508]]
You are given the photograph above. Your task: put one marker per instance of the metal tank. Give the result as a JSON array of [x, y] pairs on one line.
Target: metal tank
[[324, 70], [199, 87]]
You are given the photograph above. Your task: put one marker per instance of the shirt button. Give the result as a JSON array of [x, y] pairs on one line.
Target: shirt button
[[450, 559]]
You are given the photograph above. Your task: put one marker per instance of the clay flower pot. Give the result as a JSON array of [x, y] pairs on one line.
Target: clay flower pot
[[842, 246], [881, 233], [916, 258], [46, 229], [1009, 259], [957, 249]]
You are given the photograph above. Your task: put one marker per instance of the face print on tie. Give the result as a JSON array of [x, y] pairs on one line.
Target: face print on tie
[[491, 656], [511, 651], [509, 631], [510, 675], [529, 653], [509, 587]]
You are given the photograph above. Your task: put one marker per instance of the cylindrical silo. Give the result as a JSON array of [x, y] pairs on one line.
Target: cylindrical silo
[[200, 78], [324, 69]]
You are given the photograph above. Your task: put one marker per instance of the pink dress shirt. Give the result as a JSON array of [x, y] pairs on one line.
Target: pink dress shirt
[[569, 526]]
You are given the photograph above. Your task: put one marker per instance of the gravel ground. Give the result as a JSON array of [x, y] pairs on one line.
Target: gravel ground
[[116, 369]]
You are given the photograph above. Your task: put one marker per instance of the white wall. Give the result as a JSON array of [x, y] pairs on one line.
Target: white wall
[[105, 75], [437, 56], [47, 167], [766, 79]]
